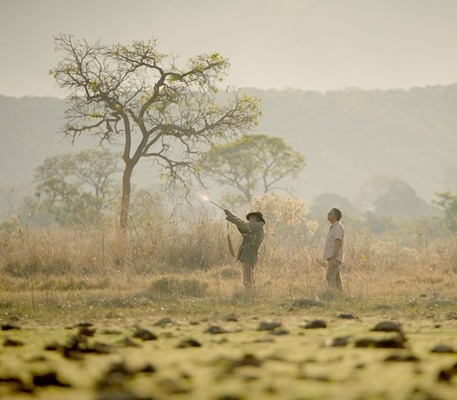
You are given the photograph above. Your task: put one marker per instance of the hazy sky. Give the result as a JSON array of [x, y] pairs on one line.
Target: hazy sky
[[303, 44]]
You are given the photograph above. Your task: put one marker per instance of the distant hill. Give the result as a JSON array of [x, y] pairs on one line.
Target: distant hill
[[346, 137], [28, 134]]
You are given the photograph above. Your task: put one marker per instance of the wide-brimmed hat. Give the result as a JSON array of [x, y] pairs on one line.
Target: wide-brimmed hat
[[255, 214]]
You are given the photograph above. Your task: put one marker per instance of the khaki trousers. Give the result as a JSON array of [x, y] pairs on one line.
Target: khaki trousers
[[248, 276], [334, 275]]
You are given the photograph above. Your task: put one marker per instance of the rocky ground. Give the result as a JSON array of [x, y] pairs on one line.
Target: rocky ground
[[230, 357]]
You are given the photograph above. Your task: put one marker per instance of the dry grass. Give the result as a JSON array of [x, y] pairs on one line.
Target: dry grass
[[186, 266]]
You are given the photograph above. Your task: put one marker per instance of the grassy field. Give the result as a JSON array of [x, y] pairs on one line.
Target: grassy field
[[160, 313]]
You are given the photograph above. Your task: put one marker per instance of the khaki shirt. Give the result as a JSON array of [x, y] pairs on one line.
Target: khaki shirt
[[253, 235], [336, 231]]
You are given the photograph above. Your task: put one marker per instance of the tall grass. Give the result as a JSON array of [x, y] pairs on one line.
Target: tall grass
[[182, 264]]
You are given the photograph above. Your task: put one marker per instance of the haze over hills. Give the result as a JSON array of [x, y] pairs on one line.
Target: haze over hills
[[346, 136]]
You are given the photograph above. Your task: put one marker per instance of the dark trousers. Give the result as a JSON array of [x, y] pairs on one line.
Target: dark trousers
[[248, 276]]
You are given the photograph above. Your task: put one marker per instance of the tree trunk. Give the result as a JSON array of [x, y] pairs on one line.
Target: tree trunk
[[125, 200]]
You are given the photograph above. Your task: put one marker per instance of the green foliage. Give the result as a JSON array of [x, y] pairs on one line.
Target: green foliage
[[254, 163], [448, 202], [77, 187]]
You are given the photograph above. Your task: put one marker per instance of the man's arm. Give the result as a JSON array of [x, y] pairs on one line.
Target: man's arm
[[243, 227]]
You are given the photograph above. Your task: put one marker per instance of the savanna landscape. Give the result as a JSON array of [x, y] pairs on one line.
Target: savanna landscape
[[109, 291], [160, 313]]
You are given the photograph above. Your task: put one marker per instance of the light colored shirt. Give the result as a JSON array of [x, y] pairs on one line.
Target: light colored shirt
[[335, 232]]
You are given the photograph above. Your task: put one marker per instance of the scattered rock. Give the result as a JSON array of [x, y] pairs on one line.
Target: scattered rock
[[83, 325], [147, 369], [163, 321], [446, 374], [268, 326], [393, 342], [10, 379], [53, 346], [421, 394], [215, 330], [316, 324], [77, 345], [401, 358], [230, 397], [346, 316], [16, 384], [188, 343], [99, 348], [115, 376], [9, 327], [387, 326], [116, 394], [442, 348], [144, 334], [264, 339], [246, 360], [127, 342], [231, 318], [48, 379], [365, 342], [86, 331], [12, 343], [174, 386], [38, 358], [338, 342], [279, 332], [112, 332]]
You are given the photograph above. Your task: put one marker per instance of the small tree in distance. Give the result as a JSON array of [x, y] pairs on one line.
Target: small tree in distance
[[137, 97], [255, 163], [447, 201], [78, 187]]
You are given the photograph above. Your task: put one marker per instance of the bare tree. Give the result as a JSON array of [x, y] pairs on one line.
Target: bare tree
[[138, 98]]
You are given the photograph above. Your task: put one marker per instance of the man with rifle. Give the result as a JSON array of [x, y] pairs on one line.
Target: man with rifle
[[248, 253]]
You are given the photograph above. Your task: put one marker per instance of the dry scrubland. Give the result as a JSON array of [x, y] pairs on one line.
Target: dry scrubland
[[176, 280]]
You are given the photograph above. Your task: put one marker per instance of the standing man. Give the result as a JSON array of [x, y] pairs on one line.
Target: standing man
[[334, 249], [248, 252]]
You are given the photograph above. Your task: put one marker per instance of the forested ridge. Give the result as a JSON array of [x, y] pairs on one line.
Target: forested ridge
[[346, 136]]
